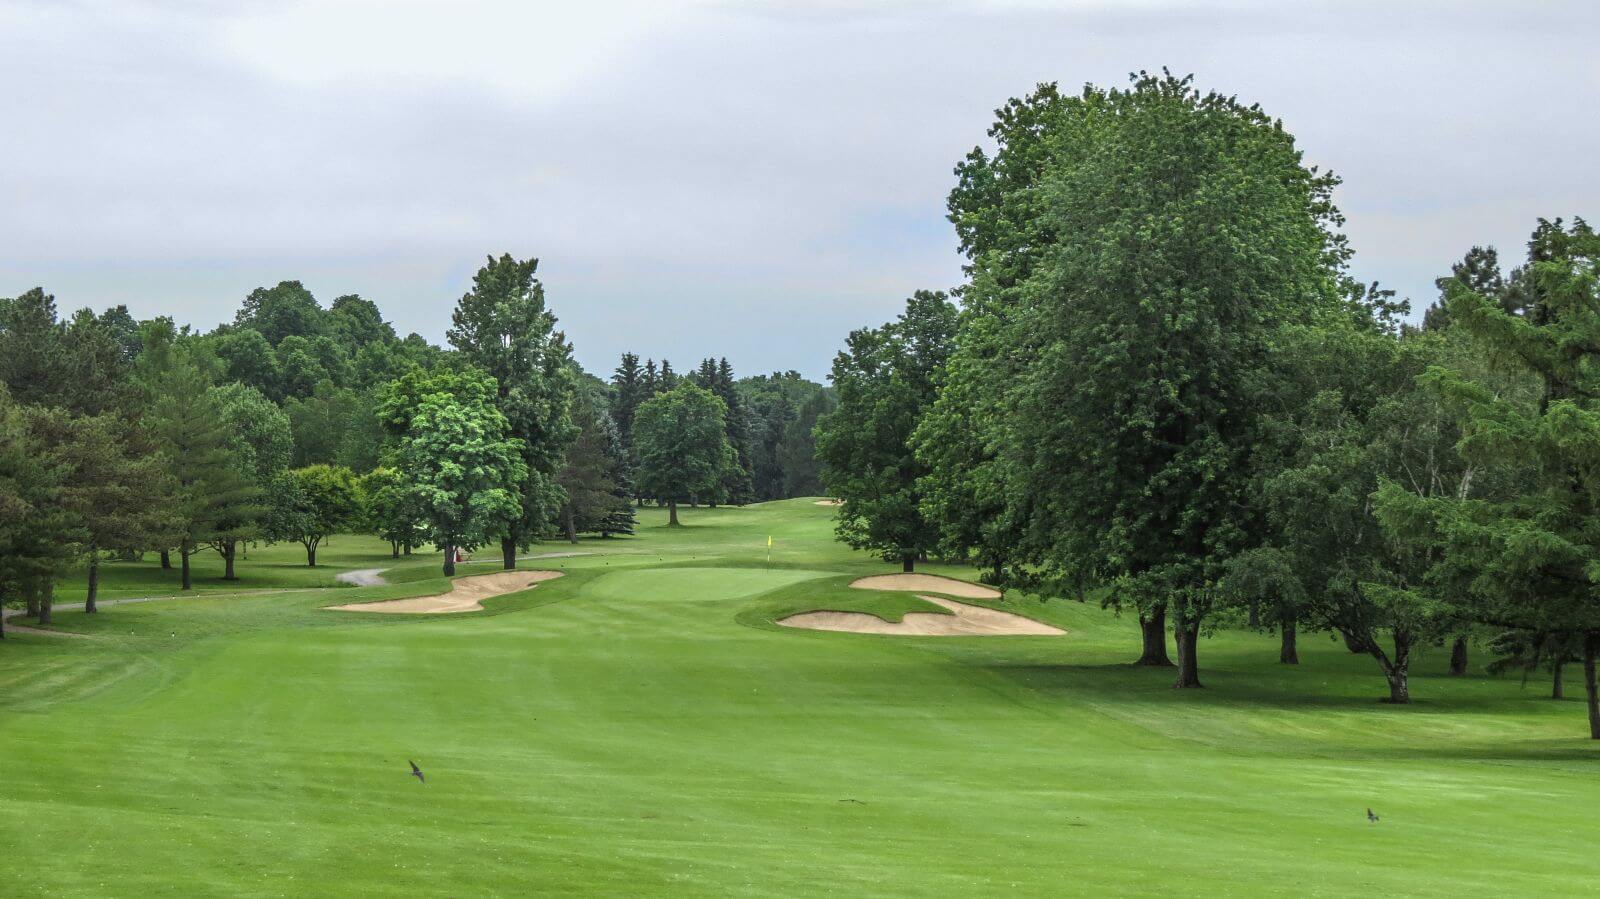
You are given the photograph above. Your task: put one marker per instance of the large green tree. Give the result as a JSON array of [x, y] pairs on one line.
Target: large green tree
[[308, 504], [1184, 233], [681, 441], [503, 327], [456, 460], [885, 380]]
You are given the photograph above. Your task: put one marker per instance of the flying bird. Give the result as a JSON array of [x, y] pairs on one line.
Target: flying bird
[[1371, 818], [417, 773]]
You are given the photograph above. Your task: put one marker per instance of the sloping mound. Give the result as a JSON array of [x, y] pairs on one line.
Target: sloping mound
[[466, 594], [932, 583], [964, 621]]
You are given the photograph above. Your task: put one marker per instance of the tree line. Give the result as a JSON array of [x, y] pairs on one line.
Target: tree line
[[1162, 389], [710, 437]]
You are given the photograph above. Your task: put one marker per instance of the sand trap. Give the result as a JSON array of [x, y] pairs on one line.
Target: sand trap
[[829, 502], [465, 594], [932, 583], [965, 621]]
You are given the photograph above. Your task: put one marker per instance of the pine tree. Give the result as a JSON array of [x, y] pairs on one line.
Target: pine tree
[[215, 500]]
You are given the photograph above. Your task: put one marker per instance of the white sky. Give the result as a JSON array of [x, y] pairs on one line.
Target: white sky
[[749, 179]]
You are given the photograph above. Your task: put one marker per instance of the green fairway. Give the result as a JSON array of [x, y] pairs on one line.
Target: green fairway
[[639, 726]]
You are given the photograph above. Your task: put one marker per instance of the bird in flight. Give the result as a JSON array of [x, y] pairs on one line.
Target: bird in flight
[[417, 773], [1371, 818]]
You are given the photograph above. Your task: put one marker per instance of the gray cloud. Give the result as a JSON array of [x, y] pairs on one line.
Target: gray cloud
[[748, 179]]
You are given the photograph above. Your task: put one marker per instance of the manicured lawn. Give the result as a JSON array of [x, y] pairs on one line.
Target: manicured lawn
[[640, 727]]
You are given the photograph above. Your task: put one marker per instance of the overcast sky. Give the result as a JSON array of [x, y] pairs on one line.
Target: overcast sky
[[749, 179]]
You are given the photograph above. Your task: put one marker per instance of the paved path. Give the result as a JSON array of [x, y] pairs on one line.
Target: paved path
[[362, 577]]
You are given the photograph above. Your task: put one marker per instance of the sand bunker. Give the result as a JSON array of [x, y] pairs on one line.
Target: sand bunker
[[466, 594], [932, 583], [965, 621], [829, 502]]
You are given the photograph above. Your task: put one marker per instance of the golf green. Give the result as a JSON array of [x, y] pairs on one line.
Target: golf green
[[639, 726]]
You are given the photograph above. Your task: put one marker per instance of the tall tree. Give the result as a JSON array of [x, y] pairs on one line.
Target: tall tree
[[885, 381], [1185, 233], [215, 500], [114, 485], [39, 535], [589, 476], [681, 440], [453, 451], [631, 388], [1531, 559], [503, 327], [30, 349], [797, 452]]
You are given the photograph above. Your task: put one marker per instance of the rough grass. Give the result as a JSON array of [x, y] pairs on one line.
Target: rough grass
[[640, 727]]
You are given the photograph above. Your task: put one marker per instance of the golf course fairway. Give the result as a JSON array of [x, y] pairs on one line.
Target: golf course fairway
[[640, 725]]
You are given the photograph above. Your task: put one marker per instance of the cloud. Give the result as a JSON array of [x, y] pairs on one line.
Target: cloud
[[740, 179]]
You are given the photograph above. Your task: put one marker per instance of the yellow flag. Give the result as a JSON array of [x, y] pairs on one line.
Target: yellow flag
[[769, 541]]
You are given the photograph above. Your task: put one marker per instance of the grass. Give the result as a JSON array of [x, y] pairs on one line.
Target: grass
[[640, 726]]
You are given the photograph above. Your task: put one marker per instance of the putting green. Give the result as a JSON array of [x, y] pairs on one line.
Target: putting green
[[639, 726]]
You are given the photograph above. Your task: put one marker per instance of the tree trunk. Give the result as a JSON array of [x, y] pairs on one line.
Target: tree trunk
[[908, 563], [1351, 643], [672, 513], [89, 607], [230, 548], [31, 602], [311, 554], [508, 552], [47, 601], [1154, 627], [166, 558], [1556, 691], [1591, 648], [1188, 636], [449, 560], [408, 549], [570, 521], [1397, 670], [1254, 620], [185, 551], [394, 549], [1288, 652], [1458, 657]]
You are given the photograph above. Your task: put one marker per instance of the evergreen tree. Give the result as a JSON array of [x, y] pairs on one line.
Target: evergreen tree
[[797, 453], [1479, 271], [1528, 560], [631, 386], [215, 501]]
